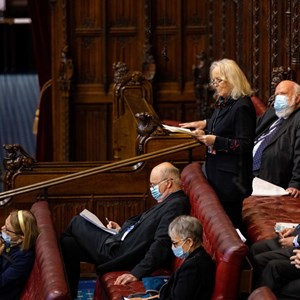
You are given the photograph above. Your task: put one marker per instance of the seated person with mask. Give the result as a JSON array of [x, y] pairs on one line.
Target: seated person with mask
[[142, 243], [276, 152], [195, 278]]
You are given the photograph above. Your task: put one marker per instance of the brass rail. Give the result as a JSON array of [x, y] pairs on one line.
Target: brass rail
[[85, 173]]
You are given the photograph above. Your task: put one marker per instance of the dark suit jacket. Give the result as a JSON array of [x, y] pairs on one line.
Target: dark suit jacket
[[148, 246], [229, 170], [280, 162], [195, 279]]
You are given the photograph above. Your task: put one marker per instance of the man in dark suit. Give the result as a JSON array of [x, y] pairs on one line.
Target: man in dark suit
[[275, 266], [142, 243], [279, 162]]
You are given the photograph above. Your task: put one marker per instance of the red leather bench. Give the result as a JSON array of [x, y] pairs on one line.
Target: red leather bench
[[220, 240], [262, 293], [47, 279], [261, 213]]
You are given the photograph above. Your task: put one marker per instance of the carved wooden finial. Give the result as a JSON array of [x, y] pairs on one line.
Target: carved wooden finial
[[15, 160]]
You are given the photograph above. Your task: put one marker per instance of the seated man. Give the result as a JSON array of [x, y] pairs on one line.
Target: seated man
[[271, 259], [142, 243], [276, 152]]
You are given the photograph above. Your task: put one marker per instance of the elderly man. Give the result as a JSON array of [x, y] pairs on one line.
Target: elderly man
[[142, 243], [276, 152]]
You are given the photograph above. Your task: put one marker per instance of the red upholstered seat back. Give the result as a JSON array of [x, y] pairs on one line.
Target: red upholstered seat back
[[47, 279], [260, 107], [220, 238]]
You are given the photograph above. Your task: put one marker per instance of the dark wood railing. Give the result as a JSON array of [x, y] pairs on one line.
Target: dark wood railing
[[5, 197]]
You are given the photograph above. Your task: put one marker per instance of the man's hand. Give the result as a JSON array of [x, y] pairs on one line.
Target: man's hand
[[286, 242], [293, 192], [295, 259], [113, 225], [125, 278], [286, 232]]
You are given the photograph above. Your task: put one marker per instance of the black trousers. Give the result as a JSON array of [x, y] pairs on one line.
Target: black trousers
[[82, 242], [273, 269]]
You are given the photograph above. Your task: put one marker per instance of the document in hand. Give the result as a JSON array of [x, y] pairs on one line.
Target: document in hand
[[178, 129], [279, 226], [89, 216], [264, 188]]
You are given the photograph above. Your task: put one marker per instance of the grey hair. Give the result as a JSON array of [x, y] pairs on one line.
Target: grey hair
[[186, 227]]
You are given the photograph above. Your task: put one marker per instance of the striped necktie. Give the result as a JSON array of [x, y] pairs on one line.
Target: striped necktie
[[264, 140]]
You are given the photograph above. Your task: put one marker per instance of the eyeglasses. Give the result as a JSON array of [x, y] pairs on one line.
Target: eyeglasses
[[5, 228], [216, 81], [176, 244], [154, 184]]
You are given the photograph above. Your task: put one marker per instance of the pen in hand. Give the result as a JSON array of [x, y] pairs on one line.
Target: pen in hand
[[107, 220]]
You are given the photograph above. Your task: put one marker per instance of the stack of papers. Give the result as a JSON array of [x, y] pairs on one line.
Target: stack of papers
[[178, 129], [264, 188], [89, 216]]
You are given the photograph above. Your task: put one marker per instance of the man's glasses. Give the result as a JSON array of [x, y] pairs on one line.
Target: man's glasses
[[216, 81], [154, 184]]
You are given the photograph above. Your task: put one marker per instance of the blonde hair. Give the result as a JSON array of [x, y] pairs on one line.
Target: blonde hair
[[231, 72], [24, 224]]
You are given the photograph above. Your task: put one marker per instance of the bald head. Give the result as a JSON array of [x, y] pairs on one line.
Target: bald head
[[291, 90], [167, 177]]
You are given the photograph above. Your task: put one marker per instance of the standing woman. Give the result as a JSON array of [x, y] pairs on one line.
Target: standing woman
[[17, 252], [229, 137]]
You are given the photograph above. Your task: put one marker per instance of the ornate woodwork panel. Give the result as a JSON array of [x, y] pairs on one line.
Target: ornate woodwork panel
[[90, 35]]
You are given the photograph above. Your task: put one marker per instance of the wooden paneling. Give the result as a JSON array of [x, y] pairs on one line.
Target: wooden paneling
[[93, 34]]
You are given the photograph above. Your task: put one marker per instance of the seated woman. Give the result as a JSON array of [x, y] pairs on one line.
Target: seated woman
[[17, 252], [195, 278]]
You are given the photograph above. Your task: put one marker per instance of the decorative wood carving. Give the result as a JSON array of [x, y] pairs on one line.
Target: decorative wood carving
[[295, 51], [15, 160], [147, 126], [256, 45], [203, 93]]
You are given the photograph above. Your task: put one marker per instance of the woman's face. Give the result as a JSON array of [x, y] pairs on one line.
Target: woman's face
[[221, 86], [10, 231]]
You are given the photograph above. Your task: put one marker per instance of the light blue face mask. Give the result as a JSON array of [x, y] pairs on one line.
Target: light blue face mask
[[6, 238], [156, 194], [178, 252], [281, 103]]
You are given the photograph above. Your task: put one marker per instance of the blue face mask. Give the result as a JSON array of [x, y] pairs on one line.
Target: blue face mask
[[281, 103], [178, 252], [6, 238], [156, 194]]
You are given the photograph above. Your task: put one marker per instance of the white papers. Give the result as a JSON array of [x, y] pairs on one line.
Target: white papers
[[89, 216], [264, 188], [279, 226], [178, 129], [241, 235]]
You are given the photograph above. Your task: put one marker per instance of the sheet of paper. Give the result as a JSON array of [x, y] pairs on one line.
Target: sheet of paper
[[279, 226], [178, 129], [241, 235], [89, 216], [264, 188]]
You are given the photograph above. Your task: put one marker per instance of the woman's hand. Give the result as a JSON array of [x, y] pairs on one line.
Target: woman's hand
[[195, 124], [208, 140], [2, 246]]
